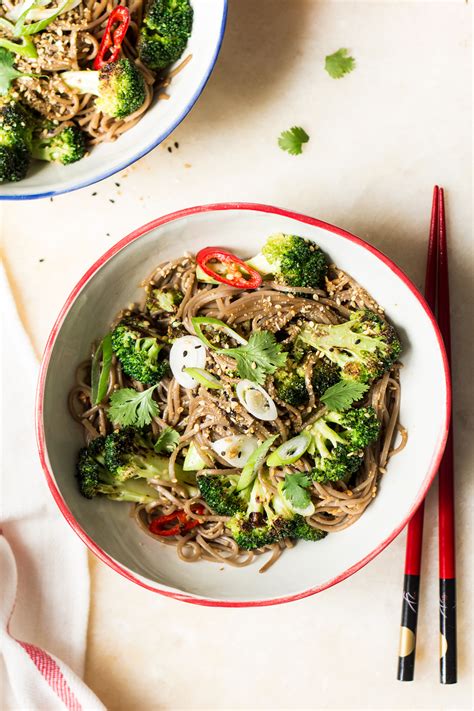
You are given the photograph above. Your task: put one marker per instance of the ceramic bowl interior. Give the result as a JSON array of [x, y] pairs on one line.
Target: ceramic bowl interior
[[106, 527], [157, 123]]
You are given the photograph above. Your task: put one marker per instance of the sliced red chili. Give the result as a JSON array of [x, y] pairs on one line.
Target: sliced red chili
[[115, 31], [233, 271], [159, 526]]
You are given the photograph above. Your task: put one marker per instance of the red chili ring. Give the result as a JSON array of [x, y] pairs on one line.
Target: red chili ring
[[227, 258]]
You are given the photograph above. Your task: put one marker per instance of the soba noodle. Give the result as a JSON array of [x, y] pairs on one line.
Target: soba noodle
[[71, 43], [203, 415]]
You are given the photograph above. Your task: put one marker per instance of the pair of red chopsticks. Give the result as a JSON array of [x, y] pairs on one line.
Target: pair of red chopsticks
[[437, 296]]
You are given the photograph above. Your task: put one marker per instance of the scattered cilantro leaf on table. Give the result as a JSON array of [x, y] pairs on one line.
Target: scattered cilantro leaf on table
[[339, 64], [292, 140]]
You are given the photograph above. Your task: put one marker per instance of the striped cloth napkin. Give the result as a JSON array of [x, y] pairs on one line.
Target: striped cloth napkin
[[44, 604]]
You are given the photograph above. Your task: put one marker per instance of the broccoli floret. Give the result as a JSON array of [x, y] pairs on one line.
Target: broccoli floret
[[363, 347], [119, 86], [305, 532], [220, 493], [266, 520], [290, 381], [164, 33], [159, 300], [138, 350], [95, 478], [130, 455], [290, 386], [14, 164], [67, 146], [325, 374], [338, 441], [293, 260], [15, 141]]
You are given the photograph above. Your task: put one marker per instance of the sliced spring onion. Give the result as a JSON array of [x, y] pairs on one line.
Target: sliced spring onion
[[187, 352], [193, 462], [41, 16], [204, 377], [100, 375], [290, 451], [256, 400], [24, 48], [254, 462], [235, 449], [199, 321]]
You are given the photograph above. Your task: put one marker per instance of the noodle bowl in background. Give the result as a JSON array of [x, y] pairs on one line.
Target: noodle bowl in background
[[308, 567], [169, 97]]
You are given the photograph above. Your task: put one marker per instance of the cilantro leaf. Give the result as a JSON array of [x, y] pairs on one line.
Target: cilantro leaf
[[261, 356], [341, 395], [295, 489], [292, 140], [167, 441], [131, 407], [8, 73], [339, 64]]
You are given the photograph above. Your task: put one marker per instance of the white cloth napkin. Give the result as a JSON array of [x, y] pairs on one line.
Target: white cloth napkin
[[43, 566]]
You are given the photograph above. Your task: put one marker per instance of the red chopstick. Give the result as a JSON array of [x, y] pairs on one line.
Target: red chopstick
[[437, 294], [411, 582], [447, 566]]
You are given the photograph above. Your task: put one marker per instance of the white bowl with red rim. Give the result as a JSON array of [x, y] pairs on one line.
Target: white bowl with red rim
[[106, 527]]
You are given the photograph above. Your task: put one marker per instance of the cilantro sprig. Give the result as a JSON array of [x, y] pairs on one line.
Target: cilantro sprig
[[292, 140], [341, 395], [260, 357], [131, 407], [167, 441], [339, 63], [8, 73], [295, 490]]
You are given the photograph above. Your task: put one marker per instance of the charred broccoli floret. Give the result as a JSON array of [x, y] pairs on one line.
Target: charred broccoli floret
[[119, 86], [95, 478], [290, 381], [65, 147], [325, 374], [221, 495], [138, 350], [292, 260], [15, 141], [164, 33], [338, 441], [159, 300], [363, 347], [290, 386], [130, 455], [268, 519]]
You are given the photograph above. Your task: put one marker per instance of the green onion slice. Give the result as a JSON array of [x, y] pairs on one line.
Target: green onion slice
[[255, 461], [290, 451], [203, 377], [199, 321], [100, 376]]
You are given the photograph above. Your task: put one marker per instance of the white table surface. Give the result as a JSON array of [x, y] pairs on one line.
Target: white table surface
[[380, 139]]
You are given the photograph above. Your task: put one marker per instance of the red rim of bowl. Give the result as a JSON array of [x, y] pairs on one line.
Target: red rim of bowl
[[40, 436]]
